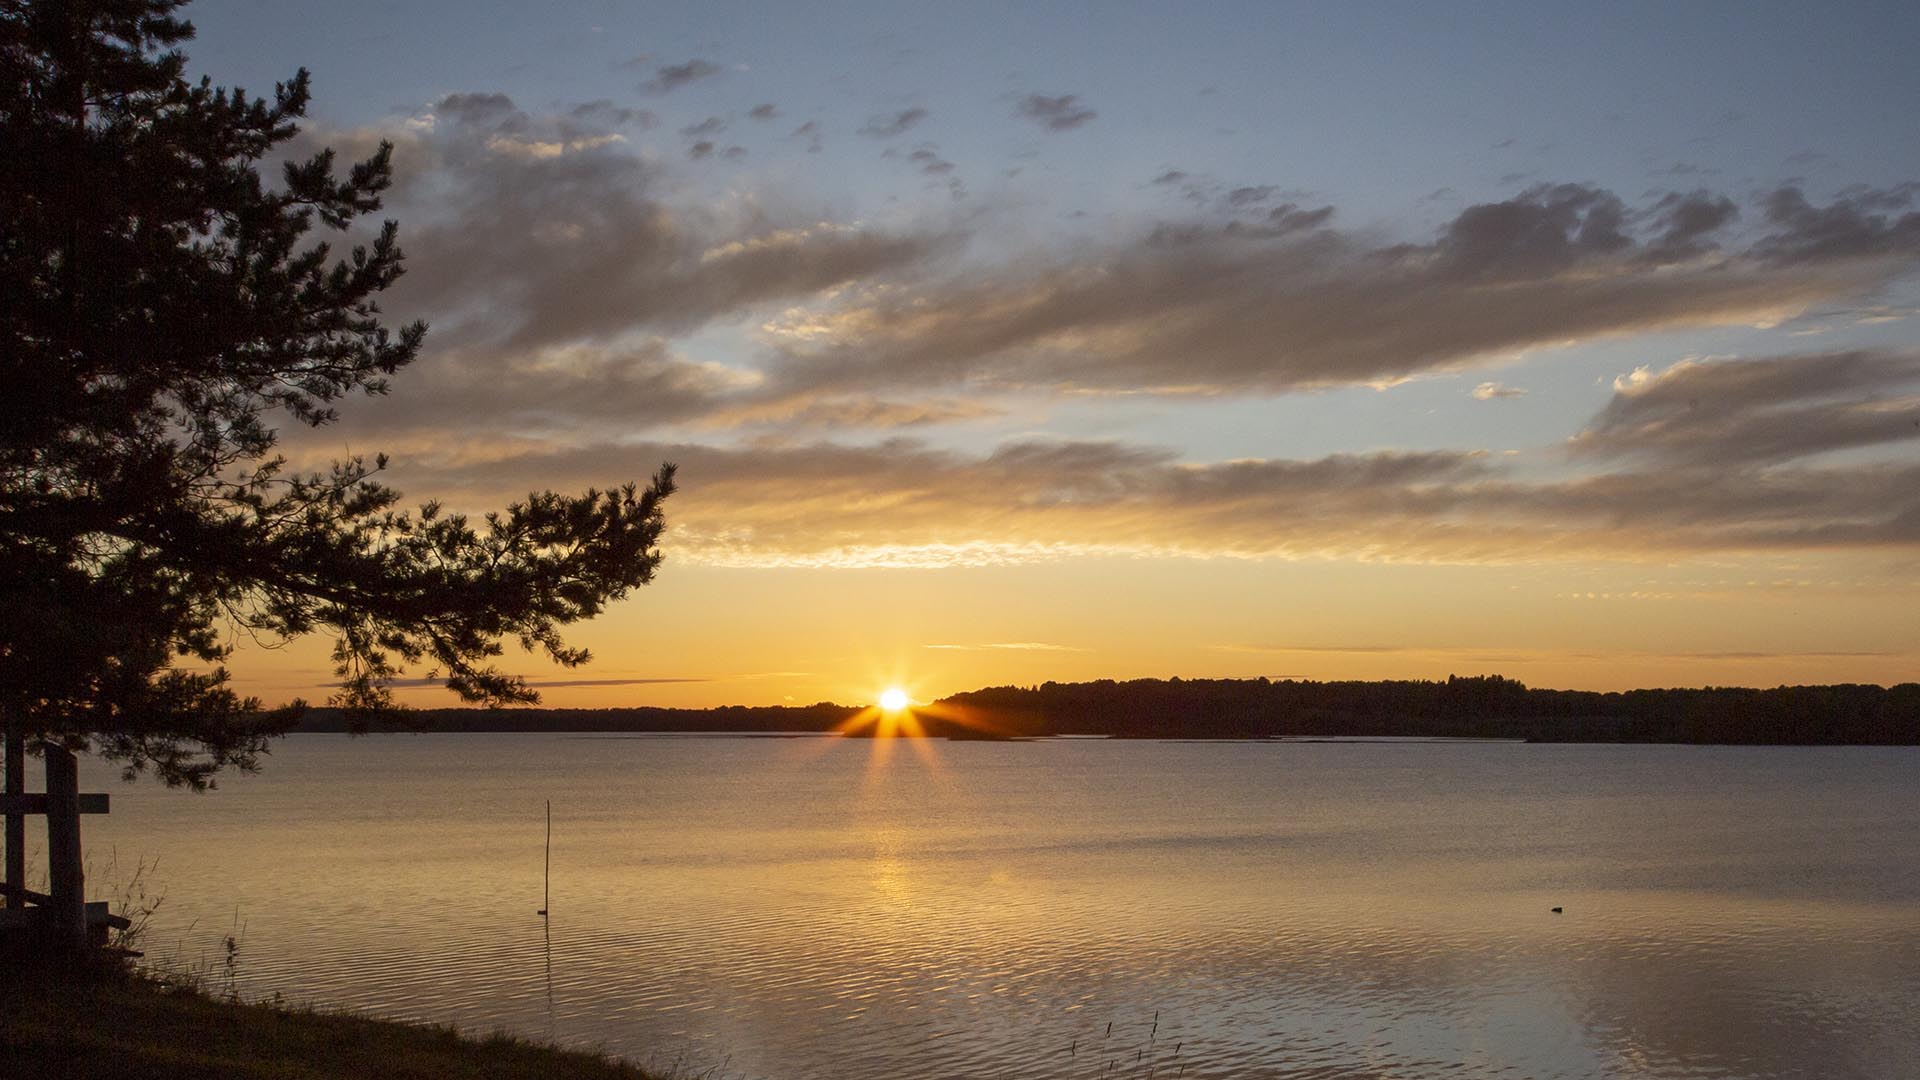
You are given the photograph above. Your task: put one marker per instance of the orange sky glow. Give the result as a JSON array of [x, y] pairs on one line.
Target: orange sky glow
[[1090, 375]]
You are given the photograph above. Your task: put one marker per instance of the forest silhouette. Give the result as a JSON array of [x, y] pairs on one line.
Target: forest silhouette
[[1479, 707]]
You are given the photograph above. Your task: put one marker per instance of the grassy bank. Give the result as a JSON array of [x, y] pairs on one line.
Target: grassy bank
[[129, 1029]]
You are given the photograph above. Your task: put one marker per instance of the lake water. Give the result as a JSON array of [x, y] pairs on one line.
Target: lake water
[[812, 908]]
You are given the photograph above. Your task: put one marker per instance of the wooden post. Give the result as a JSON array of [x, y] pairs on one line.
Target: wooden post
[[16, 819], [66, 879]]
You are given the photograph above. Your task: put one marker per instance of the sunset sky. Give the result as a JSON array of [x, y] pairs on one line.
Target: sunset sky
[[1004, 343]]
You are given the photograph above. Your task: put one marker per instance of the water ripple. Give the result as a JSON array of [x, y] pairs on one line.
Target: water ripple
[[794, 911]]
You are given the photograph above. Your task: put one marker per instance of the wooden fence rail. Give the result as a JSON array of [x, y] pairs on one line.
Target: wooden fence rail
[[16, 819], [61, 918]]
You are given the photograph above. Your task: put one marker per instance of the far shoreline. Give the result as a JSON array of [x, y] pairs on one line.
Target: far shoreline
[[1478, 708]]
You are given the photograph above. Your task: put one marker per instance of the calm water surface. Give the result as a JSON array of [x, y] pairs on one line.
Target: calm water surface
[[813, 908]]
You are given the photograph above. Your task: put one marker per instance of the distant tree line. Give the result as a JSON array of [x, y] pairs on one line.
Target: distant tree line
[[1460, 707]]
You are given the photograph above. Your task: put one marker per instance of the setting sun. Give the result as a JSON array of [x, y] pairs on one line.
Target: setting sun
[[894, 699]]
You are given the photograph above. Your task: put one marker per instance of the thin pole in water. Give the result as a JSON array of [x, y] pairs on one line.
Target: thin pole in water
[[546, 885]]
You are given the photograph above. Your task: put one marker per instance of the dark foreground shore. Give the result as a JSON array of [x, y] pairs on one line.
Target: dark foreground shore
[[132, 1029]]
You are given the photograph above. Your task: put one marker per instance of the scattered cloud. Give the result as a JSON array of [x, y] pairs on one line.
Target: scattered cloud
[[515, 146], [1862, 223], [1063, 113], [1251, 195], [674, 76], [606, 112], [930, 162], [1491, 391], [886, 127], [1686, 222], [764, 111], [478, 108]]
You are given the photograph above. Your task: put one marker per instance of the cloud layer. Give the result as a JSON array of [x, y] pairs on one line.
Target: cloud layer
[[1743, 412], [1281, 304], [903, 502], [575, 280]]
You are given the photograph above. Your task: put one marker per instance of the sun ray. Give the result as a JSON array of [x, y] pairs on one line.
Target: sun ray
[[895, 715]]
